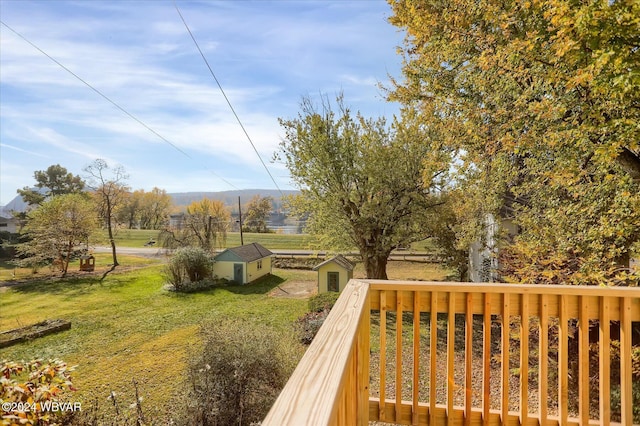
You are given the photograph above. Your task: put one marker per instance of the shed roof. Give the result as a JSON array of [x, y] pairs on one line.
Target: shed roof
[[340, 260], [245, 253]]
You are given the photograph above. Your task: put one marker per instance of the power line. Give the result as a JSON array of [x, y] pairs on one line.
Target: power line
[[226, 98], [114, 103]]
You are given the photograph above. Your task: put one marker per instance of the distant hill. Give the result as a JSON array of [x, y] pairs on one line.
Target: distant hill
[[183, 199], [230, 198], [18, 204]]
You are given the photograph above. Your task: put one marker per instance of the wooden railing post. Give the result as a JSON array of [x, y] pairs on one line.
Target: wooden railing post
[[451, 343], [524, 358], [398, 379], [328, 387], [626, 389], [468, 358], [383, 354], [415, 386], [583, 361], [486, 359], [363, 371], [433, 343], [563, 361], [543, 350], [604, 377], [505, 348]]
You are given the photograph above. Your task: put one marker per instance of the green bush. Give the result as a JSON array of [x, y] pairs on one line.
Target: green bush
[[238, 375], [307, 326], [188, 265], [323, 301]]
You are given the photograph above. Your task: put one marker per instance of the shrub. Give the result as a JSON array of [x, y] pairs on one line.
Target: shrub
[[238, 375], [31, 388], [323, 301], [307, 326], [188, 265]]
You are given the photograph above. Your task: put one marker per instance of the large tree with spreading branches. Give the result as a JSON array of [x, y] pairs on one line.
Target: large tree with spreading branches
[[110, 191], [57, 229], [362, 181]]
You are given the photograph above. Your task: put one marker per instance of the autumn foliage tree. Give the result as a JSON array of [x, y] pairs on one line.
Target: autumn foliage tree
[[57, 229], [155, 207], [29, 389], [362, 181], [204, 225], [56, 180], [257, 213], [146, 210], [541, 101]]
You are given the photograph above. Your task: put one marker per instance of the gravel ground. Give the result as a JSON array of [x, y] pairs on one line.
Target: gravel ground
[[459, 368]]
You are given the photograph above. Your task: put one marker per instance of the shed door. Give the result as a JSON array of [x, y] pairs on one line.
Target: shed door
[[333, 281], [237, 273]]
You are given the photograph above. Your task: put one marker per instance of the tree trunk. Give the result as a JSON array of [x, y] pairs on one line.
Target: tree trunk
[[111, 239], [64, 264], [113, 247], [375, 264]]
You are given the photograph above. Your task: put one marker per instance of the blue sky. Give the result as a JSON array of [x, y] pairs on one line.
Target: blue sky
[[266, 55]]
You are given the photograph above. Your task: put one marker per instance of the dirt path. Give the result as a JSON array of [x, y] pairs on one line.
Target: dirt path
[[295, 290]]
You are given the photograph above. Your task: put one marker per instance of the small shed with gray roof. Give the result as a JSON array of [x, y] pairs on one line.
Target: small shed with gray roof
[[243, 264], [334, 274]]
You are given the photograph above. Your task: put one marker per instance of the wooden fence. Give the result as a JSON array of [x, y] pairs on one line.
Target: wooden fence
[[499, 354]]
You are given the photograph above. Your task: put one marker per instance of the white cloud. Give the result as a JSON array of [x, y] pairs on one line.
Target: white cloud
[[266, 55], [26, 151]]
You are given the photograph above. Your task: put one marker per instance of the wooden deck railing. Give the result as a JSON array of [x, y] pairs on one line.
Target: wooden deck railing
[[499, 354]]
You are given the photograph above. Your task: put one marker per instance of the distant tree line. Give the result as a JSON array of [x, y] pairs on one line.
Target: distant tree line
[[66, 212], [145, 210]]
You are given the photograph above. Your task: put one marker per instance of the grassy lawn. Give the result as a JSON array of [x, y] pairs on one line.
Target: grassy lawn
[[129, 327], [132, 237], [139, 237], [272, 241], [10, 272]]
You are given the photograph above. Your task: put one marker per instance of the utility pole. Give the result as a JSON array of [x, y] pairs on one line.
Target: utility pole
[[208, 238], [240, 221]]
